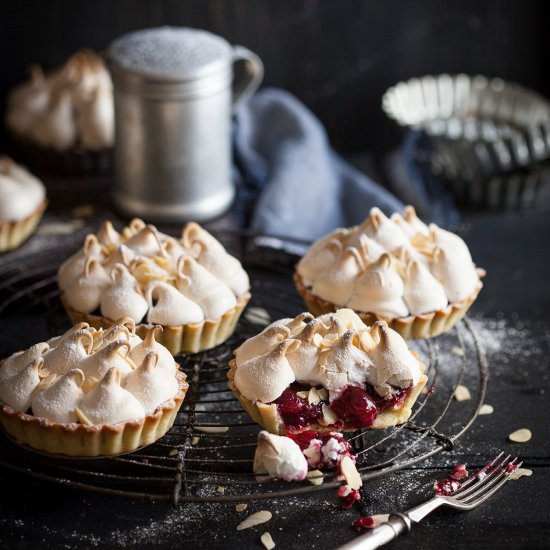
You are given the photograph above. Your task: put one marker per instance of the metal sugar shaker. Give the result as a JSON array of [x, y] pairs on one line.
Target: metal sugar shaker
[[174, 95]]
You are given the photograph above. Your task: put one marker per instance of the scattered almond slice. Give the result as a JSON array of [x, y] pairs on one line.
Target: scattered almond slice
[[486, 409], [462, 393], [313, 397], [255, 519], [195, 440], [82, 418], [329, 417], [457, 351], [350, 473], [241, 507], [317, 340], [315, 477], [520, 436], [173, 452], [323, 394], [267, 541], [60, 228], [212, 429], [220, 490], [520, 472], [302, 394], [257, 316]]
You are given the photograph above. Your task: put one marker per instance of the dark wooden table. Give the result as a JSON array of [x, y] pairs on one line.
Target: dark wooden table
[[512, 317]]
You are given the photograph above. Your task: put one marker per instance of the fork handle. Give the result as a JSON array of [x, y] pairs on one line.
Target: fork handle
[[397, 524]]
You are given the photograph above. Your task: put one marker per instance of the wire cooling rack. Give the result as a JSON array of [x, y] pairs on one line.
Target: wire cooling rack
[[208, 454]]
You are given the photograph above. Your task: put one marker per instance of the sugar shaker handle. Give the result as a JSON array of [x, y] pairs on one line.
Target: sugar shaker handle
[[245, 85]]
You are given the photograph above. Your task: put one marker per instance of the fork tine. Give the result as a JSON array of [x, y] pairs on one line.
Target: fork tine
[[485, 495], [474, 479], [501, 472], [494, 467]]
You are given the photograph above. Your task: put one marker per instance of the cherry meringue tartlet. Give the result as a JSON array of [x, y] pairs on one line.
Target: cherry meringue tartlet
[[22, 203], [326, 374], [191, 287], [420, 279], [91, 392]]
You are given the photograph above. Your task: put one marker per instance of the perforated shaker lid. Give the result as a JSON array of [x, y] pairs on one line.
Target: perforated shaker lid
[[171, 53]]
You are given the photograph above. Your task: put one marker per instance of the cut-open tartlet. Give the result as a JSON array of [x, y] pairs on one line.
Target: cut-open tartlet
[[91, 393], [22, 203], [330, 373], [191, 287], [421, 280]]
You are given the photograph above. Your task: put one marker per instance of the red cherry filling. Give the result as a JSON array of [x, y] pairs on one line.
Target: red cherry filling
[[347, 496], [446, 487], [363, 522], [356, 407], [460, 472], [296, 412]]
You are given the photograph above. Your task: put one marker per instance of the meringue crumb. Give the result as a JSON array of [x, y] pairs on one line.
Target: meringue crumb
[[486, 409], [173, 452], [350, 473], [255, 519], [520, 436], [267, 541], [315, 477], [195, 440], [520, 472], [257, 316], [462, 393], [212, 429], [220, 490], [457, 351], [241, 507], [83, 211]]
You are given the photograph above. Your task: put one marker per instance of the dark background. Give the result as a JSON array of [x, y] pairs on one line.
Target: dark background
[[338, 56]]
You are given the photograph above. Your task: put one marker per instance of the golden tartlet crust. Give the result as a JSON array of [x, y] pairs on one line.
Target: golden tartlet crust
[[15, 233], [425, 325], [79, 440], [190, 338], [267, 415]]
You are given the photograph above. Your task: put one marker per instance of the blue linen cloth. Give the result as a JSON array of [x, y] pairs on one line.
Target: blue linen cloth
[[299, 186]]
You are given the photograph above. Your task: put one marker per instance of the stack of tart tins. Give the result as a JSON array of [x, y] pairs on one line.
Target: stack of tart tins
[[490, 138]]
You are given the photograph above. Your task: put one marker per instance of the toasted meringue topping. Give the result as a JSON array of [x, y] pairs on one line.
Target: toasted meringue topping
[[150, 384], [109, 403], [279, 457], [73, 104], [264, 378], [58, 403], [153, 276], [20, 192], [57, 379], [321, 354], [372, 272]]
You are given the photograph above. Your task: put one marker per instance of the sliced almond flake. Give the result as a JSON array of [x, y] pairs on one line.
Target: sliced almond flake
[[486, 409], [520, 436], [220, 489], [520, 472], [212, 429], [83, 211], [457, 351], [317, 340], [302, 394], [267, 541], [328, 416], [366, 341], [350, 473], [173, 452], [241, 507], [195, 440], [315, 477], [60, 228], [323, 394], [323, 357], [82, 418], [257, 316], [462, 393], [313, 397], [255, 519]]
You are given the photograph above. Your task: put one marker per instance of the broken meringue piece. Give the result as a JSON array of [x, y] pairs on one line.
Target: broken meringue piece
[[280, 457]]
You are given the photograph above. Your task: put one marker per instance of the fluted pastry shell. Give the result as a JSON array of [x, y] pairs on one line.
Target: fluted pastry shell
[[80, 440], [425, 325], [266, 415], [15, 233], [189, 338]]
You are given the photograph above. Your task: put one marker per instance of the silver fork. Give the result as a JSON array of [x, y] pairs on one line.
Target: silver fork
[[472, 492]]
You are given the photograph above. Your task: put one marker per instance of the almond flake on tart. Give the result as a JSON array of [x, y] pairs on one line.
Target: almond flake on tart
[[362, 377], [419, 279], [91, 392], [191, 286]]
